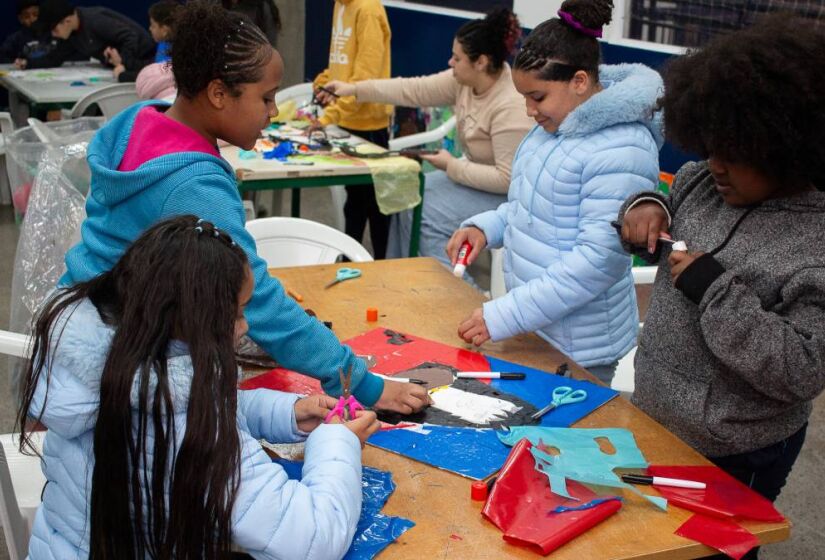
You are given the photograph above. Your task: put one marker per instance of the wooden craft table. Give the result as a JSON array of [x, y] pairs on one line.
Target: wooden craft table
[[419, 296]]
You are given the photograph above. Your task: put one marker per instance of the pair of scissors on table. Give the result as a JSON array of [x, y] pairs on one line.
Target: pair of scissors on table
[[347, 404], [344, 274], [561, 396]]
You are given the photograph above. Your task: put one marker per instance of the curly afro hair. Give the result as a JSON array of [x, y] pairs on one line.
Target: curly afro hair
[[754, 97], [212, 43]]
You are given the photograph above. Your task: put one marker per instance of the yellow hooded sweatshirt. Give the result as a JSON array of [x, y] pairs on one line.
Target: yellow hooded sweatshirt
[[359, 50]]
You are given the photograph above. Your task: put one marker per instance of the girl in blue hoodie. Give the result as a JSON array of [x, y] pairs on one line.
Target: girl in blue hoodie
[[151, 450], [594, 145], [154, 161]]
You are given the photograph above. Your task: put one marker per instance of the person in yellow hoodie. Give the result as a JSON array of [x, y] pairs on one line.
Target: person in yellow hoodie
[[359, 50]]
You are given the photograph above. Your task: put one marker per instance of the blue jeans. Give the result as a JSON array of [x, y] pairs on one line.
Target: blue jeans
[[446, 205], [604, 373], [764, 470]]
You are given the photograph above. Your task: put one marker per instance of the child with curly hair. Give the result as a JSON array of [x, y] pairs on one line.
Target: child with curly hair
[[732, 353]]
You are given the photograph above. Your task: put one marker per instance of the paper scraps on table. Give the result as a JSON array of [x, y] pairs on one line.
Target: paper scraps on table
[[581, 458], [473, 408], [375, 531], [521, 505], [718, 507], [464, 402], [723, 496], [723, 535]]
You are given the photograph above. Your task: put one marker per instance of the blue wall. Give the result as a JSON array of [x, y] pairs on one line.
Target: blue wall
[[421, 44]]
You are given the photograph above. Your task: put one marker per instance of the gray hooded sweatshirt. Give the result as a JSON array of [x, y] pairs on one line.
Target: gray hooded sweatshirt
[[731, 358]]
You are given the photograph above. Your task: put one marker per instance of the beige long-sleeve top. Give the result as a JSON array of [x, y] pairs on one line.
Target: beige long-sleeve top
[[490, 126]]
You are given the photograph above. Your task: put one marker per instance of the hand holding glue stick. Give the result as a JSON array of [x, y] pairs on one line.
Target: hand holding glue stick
[[474, 239], [461, 262]]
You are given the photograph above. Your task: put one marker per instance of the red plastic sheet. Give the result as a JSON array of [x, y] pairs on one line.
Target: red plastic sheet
[[389, 360], [520, 504], [724, 497], [724, 535]]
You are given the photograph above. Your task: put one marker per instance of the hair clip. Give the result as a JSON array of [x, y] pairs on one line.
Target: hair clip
[[216, 233], [199, 229], [199, 222]]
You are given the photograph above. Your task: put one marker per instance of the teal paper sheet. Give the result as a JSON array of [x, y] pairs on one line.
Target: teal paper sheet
[[580, 458]]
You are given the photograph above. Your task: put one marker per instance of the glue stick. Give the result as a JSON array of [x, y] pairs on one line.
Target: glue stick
[[461, 261]]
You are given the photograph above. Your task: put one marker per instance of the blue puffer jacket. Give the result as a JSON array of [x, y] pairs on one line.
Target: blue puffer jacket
[[122, 205], [567, 277], [273, 517]]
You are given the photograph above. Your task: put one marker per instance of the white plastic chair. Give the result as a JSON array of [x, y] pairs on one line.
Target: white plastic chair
[[111, 100], [21, 478], [624, 379], [285, 241], [300, 93], [425, 137]]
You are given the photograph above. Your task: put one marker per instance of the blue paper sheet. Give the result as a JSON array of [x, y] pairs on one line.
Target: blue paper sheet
[[375, 530], [477, 453], [470, 452], [537, 389]]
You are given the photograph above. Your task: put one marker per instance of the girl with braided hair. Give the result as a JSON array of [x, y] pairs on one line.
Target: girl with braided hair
[[490, 120], [154, 161], [151, 449], [594, 144]]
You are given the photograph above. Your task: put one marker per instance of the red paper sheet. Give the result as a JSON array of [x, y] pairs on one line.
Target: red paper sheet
[[723, 535], [389, 359], [520, 504], [724, 497]]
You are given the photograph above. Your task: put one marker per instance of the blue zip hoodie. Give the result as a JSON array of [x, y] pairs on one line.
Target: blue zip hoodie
[[121, 205]]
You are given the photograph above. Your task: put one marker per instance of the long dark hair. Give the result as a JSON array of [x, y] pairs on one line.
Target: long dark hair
[[213, 43], [558, 48], [495, 36], [179, 281]]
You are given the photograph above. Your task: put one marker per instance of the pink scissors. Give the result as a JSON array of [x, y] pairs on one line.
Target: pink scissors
[[347, 404]]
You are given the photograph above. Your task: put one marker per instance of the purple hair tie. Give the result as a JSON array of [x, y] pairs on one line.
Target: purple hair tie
[[571, 21]]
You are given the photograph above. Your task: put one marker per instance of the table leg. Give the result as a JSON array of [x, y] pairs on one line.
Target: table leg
[[296, 203], [415, 233]]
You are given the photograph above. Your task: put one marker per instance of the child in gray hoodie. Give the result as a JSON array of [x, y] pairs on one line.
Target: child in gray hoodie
[[732, 352]]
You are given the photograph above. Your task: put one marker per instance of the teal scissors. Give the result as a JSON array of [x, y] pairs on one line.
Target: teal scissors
[[344, 274], [561, 396]]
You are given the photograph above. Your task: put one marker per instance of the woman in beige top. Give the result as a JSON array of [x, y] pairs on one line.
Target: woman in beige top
[[491, 121]]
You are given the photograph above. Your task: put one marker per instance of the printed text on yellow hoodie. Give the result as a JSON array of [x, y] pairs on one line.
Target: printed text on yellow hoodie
[[359, 50]]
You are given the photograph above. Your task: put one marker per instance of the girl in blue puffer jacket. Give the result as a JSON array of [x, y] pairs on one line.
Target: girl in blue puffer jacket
[[595, 143], [151, 450]]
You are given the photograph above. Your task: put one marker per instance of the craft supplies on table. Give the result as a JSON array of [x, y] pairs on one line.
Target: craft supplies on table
[[344, 274], [561, 396]]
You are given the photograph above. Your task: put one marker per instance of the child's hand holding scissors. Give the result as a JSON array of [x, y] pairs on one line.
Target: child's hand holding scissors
[[363, 426], [311, 411]]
